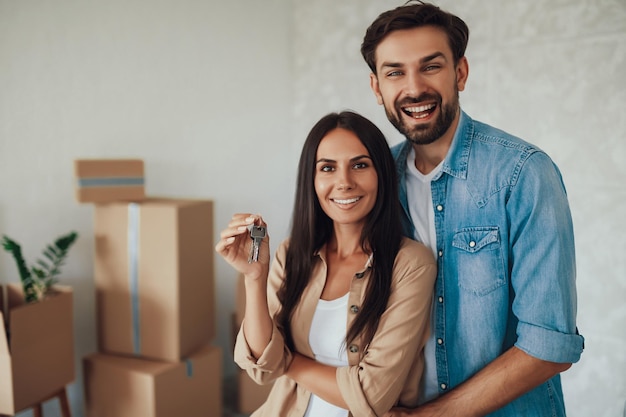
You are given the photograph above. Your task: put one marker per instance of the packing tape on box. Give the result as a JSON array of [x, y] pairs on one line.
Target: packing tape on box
[[110, 182], [133, 273], [189, 365]]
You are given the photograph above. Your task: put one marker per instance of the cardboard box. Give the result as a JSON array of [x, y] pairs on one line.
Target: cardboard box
[[118, 386], [108, 180], [154, 277], [37, 359]]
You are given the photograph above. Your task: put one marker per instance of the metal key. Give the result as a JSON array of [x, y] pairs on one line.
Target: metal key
[[257, 234]]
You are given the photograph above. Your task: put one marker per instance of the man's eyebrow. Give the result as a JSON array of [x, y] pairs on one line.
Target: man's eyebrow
[[422, 61], [391, 65], [432, 56]]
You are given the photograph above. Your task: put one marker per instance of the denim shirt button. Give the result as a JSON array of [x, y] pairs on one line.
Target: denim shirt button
[[440, 299], [440, 341], [440, 253], [439, 207], [472, 244], [444, 386]]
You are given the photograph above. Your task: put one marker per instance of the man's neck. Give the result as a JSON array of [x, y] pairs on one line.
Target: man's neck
[[428, 157]]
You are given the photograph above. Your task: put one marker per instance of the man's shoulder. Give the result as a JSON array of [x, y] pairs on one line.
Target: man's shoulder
[[398, 146], [400, 149], [492, 158], [484, 133]]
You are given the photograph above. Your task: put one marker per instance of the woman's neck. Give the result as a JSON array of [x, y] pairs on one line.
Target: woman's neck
[[346, 241]]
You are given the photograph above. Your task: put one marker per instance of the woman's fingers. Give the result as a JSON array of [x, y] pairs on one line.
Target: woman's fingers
[[242, 219], [233, 239], [224, 243]]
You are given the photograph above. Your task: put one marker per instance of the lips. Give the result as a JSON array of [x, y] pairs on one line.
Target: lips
[[346, 200], [421, 111]]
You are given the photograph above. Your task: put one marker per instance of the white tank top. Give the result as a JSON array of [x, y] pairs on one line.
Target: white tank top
[[327, 339]]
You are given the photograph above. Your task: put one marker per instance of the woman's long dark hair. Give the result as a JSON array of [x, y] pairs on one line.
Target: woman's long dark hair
[[311, 228]]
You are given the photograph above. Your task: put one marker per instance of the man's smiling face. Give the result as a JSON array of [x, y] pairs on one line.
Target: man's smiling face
[[418, 82]]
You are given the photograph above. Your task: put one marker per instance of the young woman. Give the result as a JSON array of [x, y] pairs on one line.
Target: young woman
[[340, 320]]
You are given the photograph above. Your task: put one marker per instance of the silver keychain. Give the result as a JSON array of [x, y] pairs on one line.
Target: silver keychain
[[257, 234]]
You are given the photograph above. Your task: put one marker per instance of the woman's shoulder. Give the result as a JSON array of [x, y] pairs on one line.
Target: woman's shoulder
[[283, 246], [412, 251], [284, 243], [414, 263]]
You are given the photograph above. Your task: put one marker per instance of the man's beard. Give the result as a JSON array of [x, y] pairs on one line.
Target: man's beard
[[424, 134]]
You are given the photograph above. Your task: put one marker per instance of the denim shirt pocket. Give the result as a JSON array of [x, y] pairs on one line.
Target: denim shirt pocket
[[479, 259]]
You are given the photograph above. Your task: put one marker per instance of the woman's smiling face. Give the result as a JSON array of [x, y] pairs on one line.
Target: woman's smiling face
[[346, 181]]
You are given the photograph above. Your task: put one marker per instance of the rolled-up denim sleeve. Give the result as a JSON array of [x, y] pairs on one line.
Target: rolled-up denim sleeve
[[543, 274], [550, 345]]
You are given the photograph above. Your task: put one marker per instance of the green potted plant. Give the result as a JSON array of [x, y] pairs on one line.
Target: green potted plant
[[37, 280], [36, 329]]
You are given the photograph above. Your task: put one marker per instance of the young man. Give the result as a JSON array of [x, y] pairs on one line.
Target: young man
[[494, 211]]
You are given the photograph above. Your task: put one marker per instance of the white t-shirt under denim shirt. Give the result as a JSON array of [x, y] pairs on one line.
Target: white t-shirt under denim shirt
[[419, 197], [327, 339]]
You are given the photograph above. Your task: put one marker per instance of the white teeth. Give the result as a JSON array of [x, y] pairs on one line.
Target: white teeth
[[349, 201], [419, 109]]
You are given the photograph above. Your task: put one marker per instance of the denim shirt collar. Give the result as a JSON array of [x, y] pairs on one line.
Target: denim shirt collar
[[455, 163]]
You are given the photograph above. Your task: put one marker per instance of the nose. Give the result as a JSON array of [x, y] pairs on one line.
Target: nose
[[344, 187], [344, 180], [414, 84]]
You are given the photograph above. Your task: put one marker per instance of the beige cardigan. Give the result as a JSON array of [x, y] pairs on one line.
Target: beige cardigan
[[387, 373]]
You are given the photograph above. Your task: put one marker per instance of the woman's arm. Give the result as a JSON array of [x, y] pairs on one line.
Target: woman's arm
[[259, 348], [317, 378], [234, 246], [257, 324]]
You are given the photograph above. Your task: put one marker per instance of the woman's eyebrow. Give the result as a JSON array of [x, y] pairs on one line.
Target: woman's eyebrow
[[356, 158]]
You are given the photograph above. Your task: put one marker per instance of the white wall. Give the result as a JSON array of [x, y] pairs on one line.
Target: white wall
[[203, 90], [550, 71]]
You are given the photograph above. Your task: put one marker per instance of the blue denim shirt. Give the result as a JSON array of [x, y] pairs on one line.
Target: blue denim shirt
[[506, 264]]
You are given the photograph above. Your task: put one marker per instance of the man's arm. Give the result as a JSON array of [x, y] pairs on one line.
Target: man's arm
[[509, 376]]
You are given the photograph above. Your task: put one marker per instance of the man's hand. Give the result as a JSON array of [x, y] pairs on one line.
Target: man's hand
[[400, 412], [431, 409]]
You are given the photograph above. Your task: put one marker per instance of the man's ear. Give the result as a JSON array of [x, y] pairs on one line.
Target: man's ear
[[462, 72], [376, 88]]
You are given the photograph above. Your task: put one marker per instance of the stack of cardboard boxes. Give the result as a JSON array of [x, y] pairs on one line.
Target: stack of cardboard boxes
[[155, 301]]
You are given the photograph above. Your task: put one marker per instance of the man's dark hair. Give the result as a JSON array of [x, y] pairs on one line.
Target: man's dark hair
[[409, 16]]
